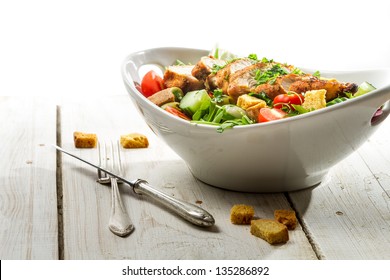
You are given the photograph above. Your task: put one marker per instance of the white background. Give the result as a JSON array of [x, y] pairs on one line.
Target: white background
[[72, 48], [76, 47]]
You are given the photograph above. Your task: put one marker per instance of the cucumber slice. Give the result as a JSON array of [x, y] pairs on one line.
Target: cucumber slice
[[364, 88], [195, 100]]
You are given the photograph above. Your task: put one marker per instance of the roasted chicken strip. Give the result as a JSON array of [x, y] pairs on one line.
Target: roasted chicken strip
[[221, 78], [180, 76], [248, 79], [282, 80], [206, 66], [303, 83]]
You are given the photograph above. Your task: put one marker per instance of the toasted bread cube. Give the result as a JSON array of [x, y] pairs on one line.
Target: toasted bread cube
[[286, 217], [241, 214], [315, 99], [246, 101], [134, 140], [84, 140], [253, 111], [162, 97], [270, 230]]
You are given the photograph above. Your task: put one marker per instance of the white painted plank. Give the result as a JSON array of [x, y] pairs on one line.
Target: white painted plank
[[28, 200], [348, 216], [159, 234]]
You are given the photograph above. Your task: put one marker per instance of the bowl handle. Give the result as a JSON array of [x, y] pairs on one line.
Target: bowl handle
[[381, 114], [380, 101]]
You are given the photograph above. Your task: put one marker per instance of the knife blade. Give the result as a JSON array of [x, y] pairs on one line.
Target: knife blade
[[92, 164]]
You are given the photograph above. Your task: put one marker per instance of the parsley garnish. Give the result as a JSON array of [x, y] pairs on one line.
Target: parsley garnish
[[263, 96], [180, 63], [297, 71], [269, 76], [216, 68], [266, 60], [317, 74], [218, 95], [253, 56]]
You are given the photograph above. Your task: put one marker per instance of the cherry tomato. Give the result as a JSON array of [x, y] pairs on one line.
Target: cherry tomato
[[177, 113], [270, 114], [288, 99], [151, 83]]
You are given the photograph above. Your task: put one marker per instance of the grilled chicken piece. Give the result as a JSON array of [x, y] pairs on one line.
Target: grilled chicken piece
[[303, 83], [221, 78], [205, 66], [180, 76], [244, 81], [271, 90]]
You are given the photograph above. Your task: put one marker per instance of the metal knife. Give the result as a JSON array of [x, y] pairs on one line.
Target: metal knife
[[192, 213]]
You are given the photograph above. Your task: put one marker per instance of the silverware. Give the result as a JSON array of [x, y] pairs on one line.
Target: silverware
[[188, 211], [119, 222]]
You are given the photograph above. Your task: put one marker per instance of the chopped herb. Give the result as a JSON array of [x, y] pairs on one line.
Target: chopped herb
[[263, 77], [317, 74], [218, 95], [180, 63], [263, 96], [266, 60], [216, 68], [216, 53], [297, 71], [252, 56]]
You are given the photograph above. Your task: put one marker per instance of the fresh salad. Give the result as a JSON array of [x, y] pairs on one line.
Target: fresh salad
[[225, 90]]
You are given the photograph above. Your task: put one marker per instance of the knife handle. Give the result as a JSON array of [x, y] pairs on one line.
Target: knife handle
[[192, 213]]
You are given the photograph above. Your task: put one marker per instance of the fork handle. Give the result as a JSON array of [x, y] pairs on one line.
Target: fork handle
[[119, 222], [188, 211]]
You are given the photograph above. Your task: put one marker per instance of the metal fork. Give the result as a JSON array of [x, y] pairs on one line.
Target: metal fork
[[119, 222]]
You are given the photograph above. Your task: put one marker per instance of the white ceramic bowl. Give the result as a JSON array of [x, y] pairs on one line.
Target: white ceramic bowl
[[285, 155]]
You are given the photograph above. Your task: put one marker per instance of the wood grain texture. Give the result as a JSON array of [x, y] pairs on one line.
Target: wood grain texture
[[348, 215], [28, 200], [158, 234]]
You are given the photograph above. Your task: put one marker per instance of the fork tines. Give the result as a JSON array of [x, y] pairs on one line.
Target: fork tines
[[109, 158]]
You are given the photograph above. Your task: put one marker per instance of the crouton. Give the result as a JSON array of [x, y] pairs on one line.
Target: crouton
[[286, 217], [246, 101], [241, 214], [315, 99], [270, 230], [180, 76], [84, 140], [162, 97], [134, 140], [253, 112]]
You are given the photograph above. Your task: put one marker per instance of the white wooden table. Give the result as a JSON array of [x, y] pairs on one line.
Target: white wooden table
[[51, 206]]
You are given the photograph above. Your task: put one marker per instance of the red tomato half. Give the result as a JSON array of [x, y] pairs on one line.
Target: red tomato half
[[270, 114], [151, 83], [177, 113], [287, 99]]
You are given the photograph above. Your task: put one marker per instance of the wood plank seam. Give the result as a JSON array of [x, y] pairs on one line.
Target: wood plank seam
[[305, 229], [59, 187]]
